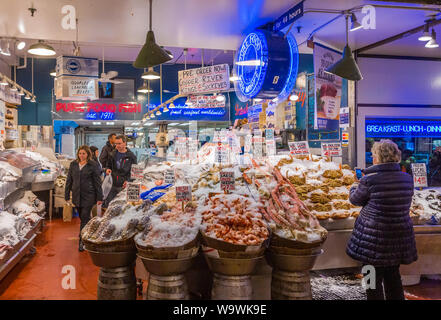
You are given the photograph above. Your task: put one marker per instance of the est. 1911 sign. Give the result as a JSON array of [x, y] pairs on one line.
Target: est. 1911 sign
[[419, 175]]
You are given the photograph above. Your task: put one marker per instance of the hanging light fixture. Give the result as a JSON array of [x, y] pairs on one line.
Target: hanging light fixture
[[166, 109], [293, 97], [151, 75], [41, 49], [4, 82], [432, 42], [21, 45], [27, 97], [6, 51], [144, 88], [355, 25], [53, 73], [220, 98], [158, 113], [151, 54], [346, 67], [426, 35], [152, 115], [33, 99], [13, 88], [21, 92], [170, 54]]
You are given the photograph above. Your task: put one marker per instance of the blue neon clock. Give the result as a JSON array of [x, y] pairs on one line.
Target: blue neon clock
[[266, 65]]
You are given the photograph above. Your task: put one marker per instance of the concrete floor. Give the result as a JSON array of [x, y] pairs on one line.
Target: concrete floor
[[39, 276]]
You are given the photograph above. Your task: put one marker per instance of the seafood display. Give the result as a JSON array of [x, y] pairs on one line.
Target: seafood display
[[426, 206], [29, 208], [16, 159], [233, 218], [172, 228], [13, 230]]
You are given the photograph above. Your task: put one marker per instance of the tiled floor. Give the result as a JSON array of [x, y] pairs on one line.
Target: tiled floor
[[40, 276]]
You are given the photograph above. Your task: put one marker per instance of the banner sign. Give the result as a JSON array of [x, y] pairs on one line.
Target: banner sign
[[327, 89], [77, 66], [98, 111], [419, 171], [289, 17], [331, 149], [203, 80], [299, 148]]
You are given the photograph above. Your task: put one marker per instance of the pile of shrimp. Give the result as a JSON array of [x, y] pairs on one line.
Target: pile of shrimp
[[233, 218]]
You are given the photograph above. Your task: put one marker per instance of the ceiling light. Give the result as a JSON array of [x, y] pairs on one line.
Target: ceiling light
[[6, 51], [355, 25], [426, 35], [184, 124], [136, 123], [27, 97], [188, 102], [33, 99], [152, 116], [258, 100], [234, 78], [171, 105], [151, 75], [53, 73], [144, 89], [170, 54], [293, 97], [110, 123], [346, 67], [21, 93], [432, 42], [21, 45], [220, 98], [13, 88], [4, 82], [249, 63], [158, 113], [41, 49], [151, 54], [96, 123], [165, 109], [148, 124]]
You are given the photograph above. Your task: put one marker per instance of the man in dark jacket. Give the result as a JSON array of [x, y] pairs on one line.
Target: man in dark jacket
[[383, 235], [120, 167], [107, 150]]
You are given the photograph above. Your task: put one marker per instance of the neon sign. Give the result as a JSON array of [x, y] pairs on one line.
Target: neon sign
[[386, 128]]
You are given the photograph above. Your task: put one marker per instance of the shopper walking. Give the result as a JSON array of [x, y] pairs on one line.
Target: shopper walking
[[83, 179], [383, 233], [95, 154], [119, 166], [107, 150], [435, 168]]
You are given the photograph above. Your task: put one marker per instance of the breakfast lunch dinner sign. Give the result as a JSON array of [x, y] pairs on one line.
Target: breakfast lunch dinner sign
[[327, 89]]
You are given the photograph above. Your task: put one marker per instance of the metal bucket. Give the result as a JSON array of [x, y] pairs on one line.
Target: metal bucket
[[231, 287], [112, 259], [290, 285], [168, 267], [292, 263], [117, 284], [167, 287], [231, 267]]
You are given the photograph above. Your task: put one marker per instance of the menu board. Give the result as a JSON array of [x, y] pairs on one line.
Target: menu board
[[133, 191], [419, 171], [331, 149], [137, 171], [299, 147], [227, 180], [183, 193], [203, 80]]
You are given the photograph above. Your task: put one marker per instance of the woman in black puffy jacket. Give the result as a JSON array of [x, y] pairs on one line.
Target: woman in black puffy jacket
[[383, 235], [84, 181]]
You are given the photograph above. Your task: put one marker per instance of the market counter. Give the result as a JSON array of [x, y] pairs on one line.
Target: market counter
[[428, 241]]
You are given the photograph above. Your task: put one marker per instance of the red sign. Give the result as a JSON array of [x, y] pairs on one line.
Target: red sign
[[240, 111], [98, 107]]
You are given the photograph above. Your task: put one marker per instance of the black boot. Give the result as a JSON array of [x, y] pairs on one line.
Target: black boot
[[81, 246]]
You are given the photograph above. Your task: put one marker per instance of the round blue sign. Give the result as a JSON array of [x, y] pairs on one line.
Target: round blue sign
[[266, 65], [73, 66]]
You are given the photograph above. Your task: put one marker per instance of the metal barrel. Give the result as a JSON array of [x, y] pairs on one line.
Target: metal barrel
[[231, 287], [117, 284], [290, 285], [167, 287], [261, 281]]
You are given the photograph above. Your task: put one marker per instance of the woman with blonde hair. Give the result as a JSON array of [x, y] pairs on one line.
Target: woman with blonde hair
[[84, 181], [383, 234]]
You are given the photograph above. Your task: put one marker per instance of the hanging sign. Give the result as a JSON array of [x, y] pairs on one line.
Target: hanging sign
[[327, 89], [133, 192], [84, 88], [331, 149], [137, 172], [227, 180], [419, 175], [77, 66], [204, 80], [289, 17], [169, 176], [299, 148], [183, 193]]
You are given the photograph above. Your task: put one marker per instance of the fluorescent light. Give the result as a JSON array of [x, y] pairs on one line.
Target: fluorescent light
[[110, 123], [184, 124], [255, 63], [135, 123], [21, 45], [293, 97], [41, 49], [96, 123]]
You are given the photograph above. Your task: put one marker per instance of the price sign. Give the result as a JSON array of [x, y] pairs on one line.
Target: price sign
[[247, 143], [133, 192], [269, 134], [331, 149], [169, 176], [270, 147], [181, 148], [227, 180], [221, 154], [258, 147], [183, 193], [137, 172], [419, 175], [193, 149], [299, 147]]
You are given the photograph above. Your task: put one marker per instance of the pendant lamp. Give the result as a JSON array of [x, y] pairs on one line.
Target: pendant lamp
[[346, 67], [41, 49], [151, 54]]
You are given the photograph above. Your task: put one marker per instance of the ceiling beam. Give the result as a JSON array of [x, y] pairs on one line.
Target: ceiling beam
[[397, 37]]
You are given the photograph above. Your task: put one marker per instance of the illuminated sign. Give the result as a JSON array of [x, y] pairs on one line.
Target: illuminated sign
[[98, 111], [266, 65], [183, 113], [387, 128]]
